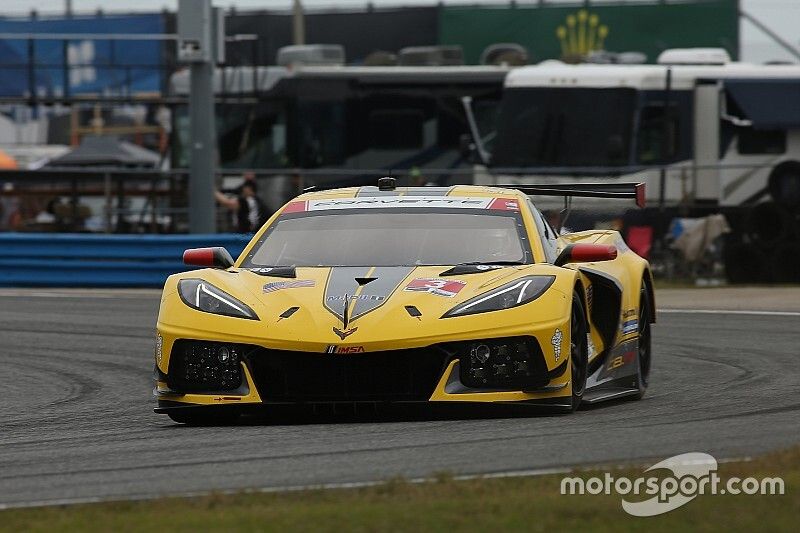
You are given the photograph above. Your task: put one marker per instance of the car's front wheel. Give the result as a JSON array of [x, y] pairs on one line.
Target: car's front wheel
[[578, 351]]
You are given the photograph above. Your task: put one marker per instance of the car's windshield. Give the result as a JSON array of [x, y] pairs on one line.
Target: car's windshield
[[388, 237]]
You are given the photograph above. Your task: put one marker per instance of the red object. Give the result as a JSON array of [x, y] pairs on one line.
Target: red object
[[504, 204], [438, 286], [640, 240], [588, 253], [203, 257], [294, 207], [641, 200]]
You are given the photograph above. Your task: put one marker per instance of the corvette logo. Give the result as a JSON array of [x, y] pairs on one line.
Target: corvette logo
[[344, 334]]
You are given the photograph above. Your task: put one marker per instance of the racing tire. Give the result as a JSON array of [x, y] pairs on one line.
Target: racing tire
[[644, 353], [578, 351], [203, 419]]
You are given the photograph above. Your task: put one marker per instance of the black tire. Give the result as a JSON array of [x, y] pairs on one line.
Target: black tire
[[578, 351], [644, 356], [202, 418], [784, 184]]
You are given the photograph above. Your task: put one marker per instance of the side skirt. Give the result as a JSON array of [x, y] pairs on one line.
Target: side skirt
[[616, 376], [610, 393]]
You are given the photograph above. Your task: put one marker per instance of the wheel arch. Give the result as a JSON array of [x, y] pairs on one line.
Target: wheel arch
[[581, 290], [647, 280]]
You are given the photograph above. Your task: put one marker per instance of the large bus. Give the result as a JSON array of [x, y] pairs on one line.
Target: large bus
[[699, 129], [344, 120]]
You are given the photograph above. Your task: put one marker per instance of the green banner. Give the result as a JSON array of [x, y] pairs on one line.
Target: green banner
[[556, 32]]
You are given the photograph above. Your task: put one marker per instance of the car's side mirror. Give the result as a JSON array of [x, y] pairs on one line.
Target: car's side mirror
[[586, 253], [214, 257]]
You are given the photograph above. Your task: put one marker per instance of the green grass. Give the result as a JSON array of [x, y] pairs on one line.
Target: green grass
[[517, 504]]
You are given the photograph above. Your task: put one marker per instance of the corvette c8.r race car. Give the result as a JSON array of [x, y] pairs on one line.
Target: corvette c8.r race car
[[386, 294]]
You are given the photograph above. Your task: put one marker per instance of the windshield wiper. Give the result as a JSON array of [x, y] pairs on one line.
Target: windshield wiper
[[475, 267]]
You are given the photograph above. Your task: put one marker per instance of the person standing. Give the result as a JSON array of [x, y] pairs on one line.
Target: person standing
[[247, 209]]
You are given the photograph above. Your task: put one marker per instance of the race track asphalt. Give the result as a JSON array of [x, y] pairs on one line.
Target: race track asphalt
[[77, 421]]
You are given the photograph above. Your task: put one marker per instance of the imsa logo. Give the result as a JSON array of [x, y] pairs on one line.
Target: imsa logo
[[344, 349]]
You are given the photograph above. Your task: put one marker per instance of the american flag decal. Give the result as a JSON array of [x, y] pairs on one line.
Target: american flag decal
[[440, 287], [278, 285]]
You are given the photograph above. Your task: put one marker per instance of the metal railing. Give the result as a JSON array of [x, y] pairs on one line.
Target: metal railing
[[65, 199], [136, 200]]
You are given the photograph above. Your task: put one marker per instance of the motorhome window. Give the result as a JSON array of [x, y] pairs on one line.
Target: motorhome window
[[486, 112], [319, 129], [252, 136], [752, 141], [396, 129], [659, 134], [564, 127], [248, 136]]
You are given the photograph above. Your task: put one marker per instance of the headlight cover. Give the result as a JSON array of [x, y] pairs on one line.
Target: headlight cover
[[512, 294], [203, 296]]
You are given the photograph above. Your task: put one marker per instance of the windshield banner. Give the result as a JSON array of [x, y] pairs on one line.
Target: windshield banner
[[444, 202]]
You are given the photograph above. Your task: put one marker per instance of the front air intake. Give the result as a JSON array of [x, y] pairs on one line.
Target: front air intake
[[512, 363], [203, 366]]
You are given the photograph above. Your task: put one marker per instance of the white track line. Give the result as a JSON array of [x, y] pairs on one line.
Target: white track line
[[728, 312], [275, 489], [338, 486]]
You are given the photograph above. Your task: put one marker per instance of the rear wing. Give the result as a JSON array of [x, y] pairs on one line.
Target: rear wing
[[620, 191]]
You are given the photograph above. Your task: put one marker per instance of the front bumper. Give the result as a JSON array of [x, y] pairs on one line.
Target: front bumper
[[412, 375]]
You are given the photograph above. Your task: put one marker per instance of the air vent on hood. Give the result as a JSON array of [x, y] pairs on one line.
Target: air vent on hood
[[413, 311], [289, 312]]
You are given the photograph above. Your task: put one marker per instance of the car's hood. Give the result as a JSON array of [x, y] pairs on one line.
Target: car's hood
[[385, 305]]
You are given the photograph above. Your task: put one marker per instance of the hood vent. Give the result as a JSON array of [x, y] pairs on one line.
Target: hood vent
[[413, 311]]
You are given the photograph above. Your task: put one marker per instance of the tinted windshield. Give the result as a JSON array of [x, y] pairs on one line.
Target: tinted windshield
[[388, 237], [564, 127]]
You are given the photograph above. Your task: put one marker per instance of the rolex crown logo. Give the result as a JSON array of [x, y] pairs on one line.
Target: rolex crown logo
[[581, 34]]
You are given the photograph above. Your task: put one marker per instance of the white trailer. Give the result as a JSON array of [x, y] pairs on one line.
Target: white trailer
[[699, 129]]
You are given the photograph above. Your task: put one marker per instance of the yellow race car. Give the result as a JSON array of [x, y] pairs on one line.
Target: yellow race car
[[387, 294]]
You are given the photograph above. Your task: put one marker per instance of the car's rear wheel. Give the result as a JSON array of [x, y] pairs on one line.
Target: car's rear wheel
[[578, 351], [644, 355], [195, 418]]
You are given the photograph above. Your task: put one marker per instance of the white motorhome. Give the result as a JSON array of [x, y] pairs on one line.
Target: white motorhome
[[697, 128]]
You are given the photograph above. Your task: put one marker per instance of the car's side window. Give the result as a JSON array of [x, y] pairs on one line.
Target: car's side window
[[548, 235]]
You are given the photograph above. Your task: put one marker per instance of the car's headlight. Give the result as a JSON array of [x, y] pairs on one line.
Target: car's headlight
[[203, 296], [517, 292]]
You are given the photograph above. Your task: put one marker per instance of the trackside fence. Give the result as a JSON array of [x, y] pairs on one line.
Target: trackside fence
[[81, 260]]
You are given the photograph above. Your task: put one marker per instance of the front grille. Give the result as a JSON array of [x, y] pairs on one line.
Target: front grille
[[399, 375]]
